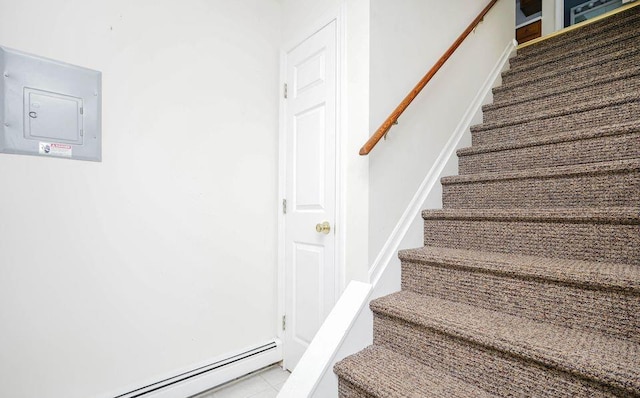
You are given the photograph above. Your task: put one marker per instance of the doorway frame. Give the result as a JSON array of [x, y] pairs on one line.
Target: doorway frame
[[559, 15], [337, 15]]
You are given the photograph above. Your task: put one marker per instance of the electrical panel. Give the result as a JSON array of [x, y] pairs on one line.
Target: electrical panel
[[49, 108]]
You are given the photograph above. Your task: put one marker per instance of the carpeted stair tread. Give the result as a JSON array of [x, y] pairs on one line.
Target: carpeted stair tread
[[569, 136], [592, 356], [608, 62], [549, 82], [583, 150], [630, 84], [577, 36], [615, 99], [494, 371], [587, 145], [622, 216], [599, 184], [555, 90], [374, 370], [539, 85], [615, 166], [601, 50], [585, 274], [594, 118], [590, 296], [589, 234], [594, 48]]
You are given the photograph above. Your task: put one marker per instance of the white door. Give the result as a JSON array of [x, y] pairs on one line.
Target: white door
[[310, 126]]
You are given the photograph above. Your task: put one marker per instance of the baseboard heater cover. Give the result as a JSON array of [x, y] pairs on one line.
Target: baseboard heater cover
[[153, 388]]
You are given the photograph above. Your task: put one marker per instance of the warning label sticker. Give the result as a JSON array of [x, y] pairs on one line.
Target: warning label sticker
[[63, 150]]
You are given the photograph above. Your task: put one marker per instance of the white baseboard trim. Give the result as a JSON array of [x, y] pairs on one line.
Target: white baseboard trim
[[390, 248], [210, 374]]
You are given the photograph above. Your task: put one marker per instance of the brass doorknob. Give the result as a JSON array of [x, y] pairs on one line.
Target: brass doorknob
[[324, 228]]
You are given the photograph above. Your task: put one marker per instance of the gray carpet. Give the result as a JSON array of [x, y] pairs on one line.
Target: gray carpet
[[529, 281]]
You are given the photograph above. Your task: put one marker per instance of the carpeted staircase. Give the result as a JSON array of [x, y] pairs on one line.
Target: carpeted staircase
[[529, 280]]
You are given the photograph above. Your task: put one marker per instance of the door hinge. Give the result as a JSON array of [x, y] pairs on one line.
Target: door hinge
[[286, 91], [284, 206], [284, 322]]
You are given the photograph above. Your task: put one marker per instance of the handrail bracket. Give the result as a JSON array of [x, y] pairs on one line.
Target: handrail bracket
[[384, 137]]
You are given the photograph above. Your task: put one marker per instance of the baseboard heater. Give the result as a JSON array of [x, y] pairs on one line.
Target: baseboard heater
[[202, 371]]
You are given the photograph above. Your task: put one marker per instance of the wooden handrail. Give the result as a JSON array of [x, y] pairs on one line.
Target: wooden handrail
[[393, 118]]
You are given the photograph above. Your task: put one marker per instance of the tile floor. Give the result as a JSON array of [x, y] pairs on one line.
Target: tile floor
[[264, 383]]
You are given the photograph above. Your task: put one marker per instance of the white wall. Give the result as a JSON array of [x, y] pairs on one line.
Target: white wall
[[407, 38], [356, 184], [164, 255], [301, 18], [548, 16]]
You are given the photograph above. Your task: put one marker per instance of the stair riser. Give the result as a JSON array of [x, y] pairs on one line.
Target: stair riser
[[572, 71], [629, 85], [577, 37], [599, 149], [581, 76], [494, 371], [579, 241], [348, 390], [613, 312], [607, 115], [619, 43], [616, 189], [577, 50]]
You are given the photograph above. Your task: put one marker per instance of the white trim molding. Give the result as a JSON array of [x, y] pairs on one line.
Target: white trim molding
[[390, 248], [559, 15], [528, 22], [208, 374]]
